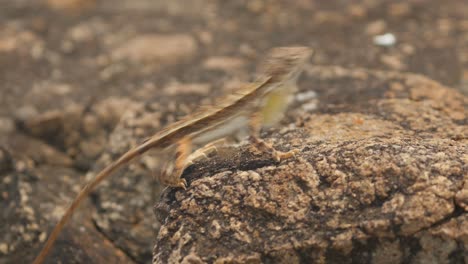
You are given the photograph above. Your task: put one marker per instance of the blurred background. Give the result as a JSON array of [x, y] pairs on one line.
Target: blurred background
[[83, 48], [69, 69]]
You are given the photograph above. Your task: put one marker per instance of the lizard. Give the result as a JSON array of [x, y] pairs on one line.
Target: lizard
[[253, 106]]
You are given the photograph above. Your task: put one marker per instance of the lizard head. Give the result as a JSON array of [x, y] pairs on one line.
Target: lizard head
[[285, 63]]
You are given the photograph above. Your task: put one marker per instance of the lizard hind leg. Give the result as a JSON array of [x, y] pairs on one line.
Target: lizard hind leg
[[172, 171], [254, 130]]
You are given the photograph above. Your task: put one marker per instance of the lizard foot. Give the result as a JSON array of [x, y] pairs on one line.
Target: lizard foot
[[169, 178], [180, 183], [279, 155], [265, 147]]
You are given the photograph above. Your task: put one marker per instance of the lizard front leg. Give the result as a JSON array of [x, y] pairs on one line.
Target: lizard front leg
[[171, 175], [255, 125]]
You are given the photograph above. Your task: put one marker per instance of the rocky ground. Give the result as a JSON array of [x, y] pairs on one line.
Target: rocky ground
[[381, 177]]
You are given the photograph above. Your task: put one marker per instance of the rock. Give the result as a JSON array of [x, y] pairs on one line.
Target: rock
[[81, 131], [223, 63], [126, 218], [376, 27], [175, 88], [157, 48], [54, 125], [46, 124], [70, 5], [380, 179], [357, 11], [6, 163], [399, 9], [14, 39], [7, 125], [393, 62], [33, 151], [32, 201], [110, 110]]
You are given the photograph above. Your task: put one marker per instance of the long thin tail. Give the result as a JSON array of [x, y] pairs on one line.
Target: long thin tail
[[107, 171]]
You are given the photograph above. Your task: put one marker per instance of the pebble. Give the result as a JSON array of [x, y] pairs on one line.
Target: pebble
[[160, 48], [4, 248], [358, 11], [306, 96], [25, 112], [223, 63], [189, 88], [7, 125], [399, 9], [376, 27], [44, 123], [5, 162], [385, 40], [90, 124], [70, 5], [393, 62]]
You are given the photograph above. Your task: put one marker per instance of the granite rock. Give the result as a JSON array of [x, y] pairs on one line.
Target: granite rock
[[380, 178]]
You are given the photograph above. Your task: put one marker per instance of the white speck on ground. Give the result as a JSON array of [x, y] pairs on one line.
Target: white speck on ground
[[385, 40]]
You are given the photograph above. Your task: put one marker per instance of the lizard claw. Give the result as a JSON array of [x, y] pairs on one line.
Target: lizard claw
[[166, 179], [182, 184]]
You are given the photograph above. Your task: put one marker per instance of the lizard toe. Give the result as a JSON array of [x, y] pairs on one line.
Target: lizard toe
[[279, 155], [182, 184]]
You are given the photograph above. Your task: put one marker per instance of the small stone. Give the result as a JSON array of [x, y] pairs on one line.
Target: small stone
[[254, 176], [90, 149], [7, 125], [385, 40], [157, 48], [255, 6], [376, 27], [461, 198], [223, 63], [87, 31], [399, 9], [305, 96], [358, 11], [67, 46], [43, 124], [190, 88], [25, 112], [463, 25], [70, 5], [244, 175], [90, 124], [110, 110], [393, 62], [4, 248], [215, 229], [205, 37], [408, 49], [6, 163], [7, 44], [17, 40], [445, 25]]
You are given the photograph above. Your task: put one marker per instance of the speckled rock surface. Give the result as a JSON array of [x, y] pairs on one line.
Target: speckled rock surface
[[381, 178], [33, 177]]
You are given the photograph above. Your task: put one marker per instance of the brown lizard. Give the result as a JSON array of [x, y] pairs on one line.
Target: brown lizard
[[261, 103]]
